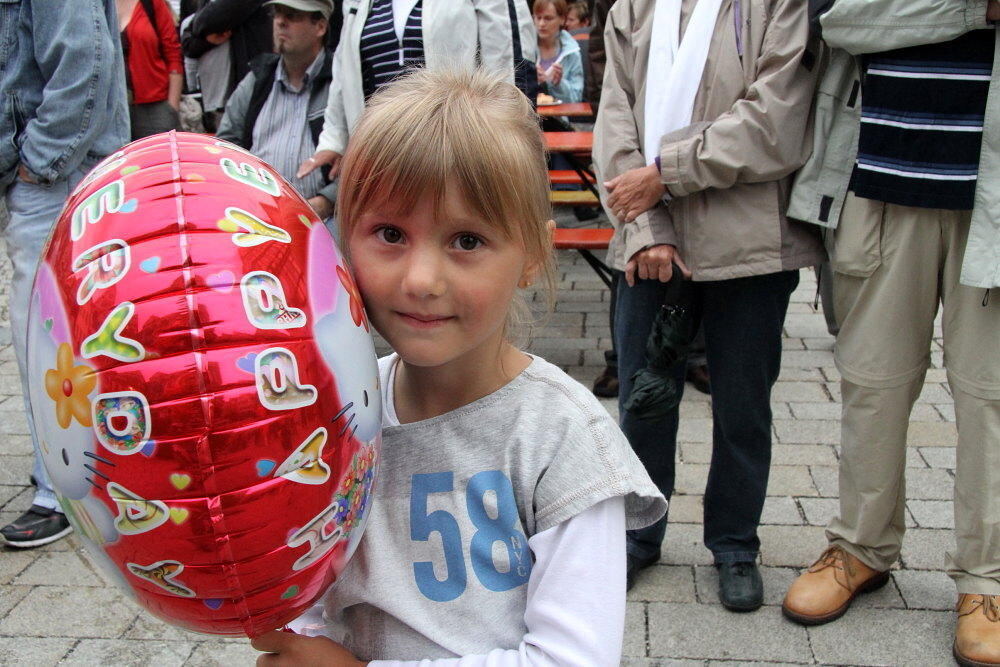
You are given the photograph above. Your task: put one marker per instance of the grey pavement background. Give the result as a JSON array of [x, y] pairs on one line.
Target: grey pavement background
[[55, 609]]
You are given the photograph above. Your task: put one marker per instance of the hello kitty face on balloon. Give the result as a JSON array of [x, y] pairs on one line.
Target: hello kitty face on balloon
[[342, 333], [60, 387]]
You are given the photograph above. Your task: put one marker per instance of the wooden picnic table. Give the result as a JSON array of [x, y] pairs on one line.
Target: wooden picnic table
[[577, 109], [569, 142]]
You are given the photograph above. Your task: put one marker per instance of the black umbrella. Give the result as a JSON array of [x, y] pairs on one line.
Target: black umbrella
[[654, 388]]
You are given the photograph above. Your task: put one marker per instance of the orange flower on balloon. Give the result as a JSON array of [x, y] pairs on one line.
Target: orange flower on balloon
[[68, 386], [357, 305]]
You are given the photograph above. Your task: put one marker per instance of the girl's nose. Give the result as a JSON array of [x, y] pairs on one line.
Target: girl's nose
[[425, 274]]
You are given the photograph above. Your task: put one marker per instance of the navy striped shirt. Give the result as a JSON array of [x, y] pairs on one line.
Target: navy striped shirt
[[383, 56], [922, 111]]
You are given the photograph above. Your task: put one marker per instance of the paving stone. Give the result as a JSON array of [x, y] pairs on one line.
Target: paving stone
[[634, 643], [798, 391], [694, 430], [664, 583], [686, 508], [14, 470], [13, 562], [914, 459], [709, 631], [803, 455], [929, 484], [10, 596], [18, 445], [926, 434], [819, 343], [780, 510], [790, 481], [807, 431], [924, 548], [790, 546], [792, 344], [222, 654], [36, 652], [684, 545], [59, 568], [876, 638], [694, 409], [926, 589], [123, 652], [8, 493], [806, 358], [932, 513], [108, 615], [660, 662], [776, 582], [825, 478], [946, 410], [12, 423], [939, 457], [780, 411], [801, 374], [825, 411], [147, 626], [690, 477], [819, 511]]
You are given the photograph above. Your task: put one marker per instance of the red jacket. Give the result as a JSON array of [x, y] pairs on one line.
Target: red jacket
[[153, 53]]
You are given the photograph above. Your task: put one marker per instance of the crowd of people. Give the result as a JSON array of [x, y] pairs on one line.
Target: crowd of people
[[736, 143]]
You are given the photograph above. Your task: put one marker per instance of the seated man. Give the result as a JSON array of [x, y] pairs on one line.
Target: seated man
[[276, 112]]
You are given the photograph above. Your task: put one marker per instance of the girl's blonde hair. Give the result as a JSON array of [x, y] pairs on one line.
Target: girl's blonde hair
[[471, 130]]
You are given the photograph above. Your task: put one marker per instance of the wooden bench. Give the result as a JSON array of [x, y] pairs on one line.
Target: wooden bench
[[573, 198], [584, 240], [567, 177]]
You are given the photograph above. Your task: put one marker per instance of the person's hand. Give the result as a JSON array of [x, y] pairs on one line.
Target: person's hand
[[322, 206], [654, 263], [218, 38], [174, 104], [25, 175], [288, 648], [555, 74], [540, 73], [319, 159], [993, 10], [634, 192]]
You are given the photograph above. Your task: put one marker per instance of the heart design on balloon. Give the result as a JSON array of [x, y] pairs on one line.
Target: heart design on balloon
[[180, 480]]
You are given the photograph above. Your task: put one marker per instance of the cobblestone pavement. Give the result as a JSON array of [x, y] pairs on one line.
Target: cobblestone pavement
[[53, 607]]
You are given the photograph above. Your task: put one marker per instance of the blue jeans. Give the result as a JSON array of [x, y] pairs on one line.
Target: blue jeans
[[33, 211], [743, 320]]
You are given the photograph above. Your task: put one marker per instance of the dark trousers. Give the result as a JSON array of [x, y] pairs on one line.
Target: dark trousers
[[743, 320]]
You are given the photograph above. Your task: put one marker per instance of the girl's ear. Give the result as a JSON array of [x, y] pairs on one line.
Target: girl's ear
[[532, 269]]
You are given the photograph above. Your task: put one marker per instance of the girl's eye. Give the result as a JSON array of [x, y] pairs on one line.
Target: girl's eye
[[390, 234], [468, 241]]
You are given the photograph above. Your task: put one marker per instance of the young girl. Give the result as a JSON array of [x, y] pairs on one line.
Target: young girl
[[497, 531]]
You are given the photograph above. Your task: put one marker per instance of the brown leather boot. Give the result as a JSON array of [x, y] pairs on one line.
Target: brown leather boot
[[977, 637], [825, 591]]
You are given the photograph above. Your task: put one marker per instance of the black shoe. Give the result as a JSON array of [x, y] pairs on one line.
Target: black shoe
[[740, 586], [634, 565], [585, 213], [698, 377], [36, 527], [606, 384]]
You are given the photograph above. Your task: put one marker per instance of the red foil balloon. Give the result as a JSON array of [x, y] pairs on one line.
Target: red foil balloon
[[204, 385]]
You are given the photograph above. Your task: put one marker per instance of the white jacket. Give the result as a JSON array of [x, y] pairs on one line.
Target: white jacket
[[456, 33]]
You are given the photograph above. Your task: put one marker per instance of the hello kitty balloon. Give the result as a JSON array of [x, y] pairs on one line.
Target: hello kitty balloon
[[203, 385]]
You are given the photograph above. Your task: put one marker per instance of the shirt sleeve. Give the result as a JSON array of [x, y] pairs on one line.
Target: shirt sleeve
[[170, 45], [575, 613]]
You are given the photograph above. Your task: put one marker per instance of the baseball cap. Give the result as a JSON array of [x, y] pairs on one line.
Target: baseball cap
[[325, 7]]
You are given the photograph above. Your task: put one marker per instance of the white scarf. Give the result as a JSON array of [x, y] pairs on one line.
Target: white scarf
[[674, 71]]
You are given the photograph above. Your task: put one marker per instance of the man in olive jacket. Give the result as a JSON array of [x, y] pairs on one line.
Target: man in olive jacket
[[726, 171], [905, 174]]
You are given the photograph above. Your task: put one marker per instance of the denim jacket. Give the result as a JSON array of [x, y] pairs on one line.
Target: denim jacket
[[62, 86]]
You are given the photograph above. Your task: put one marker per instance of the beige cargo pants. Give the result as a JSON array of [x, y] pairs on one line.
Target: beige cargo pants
[[893, 265]]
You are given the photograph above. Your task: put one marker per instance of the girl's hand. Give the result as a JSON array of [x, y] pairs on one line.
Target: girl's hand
[[540, 73], [555, 74], [295, 650]]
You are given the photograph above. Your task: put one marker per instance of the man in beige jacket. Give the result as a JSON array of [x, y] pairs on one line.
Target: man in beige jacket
[[713, 202]]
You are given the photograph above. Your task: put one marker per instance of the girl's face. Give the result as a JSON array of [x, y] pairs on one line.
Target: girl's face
[[547, 22], [437, 288]]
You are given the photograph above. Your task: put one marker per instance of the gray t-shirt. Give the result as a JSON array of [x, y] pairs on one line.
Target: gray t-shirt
[[443, 567]]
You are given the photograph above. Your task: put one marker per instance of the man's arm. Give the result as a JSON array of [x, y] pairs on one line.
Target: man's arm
[[74, 100], [617, 143], [871, 26], [763, 136]]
